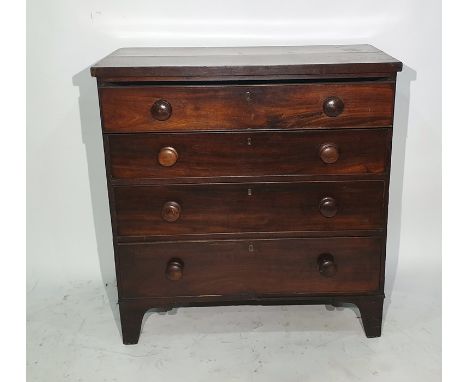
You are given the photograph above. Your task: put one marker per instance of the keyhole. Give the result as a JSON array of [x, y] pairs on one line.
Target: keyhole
[[249, 191], [251, 247], [249, 141], [248, 96]]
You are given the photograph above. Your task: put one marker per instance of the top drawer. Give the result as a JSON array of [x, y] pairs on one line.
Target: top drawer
[[213, 107]]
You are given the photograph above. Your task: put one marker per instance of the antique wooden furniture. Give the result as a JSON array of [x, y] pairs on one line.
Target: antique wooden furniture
[[248, 176]]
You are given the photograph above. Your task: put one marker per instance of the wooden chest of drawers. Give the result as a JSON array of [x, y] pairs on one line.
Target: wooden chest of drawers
[[248, 176]]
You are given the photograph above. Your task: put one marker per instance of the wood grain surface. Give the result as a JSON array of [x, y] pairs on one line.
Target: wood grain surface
[[255, 268], [252, 207], [176, 63], [234, 154], [222, 107]]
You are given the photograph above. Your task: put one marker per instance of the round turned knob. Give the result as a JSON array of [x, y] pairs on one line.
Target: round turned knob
[[174, 269], [328, 207], [326, 265], [329, 153], [167, 156], [161, 110], [333, 106], [171, 211]]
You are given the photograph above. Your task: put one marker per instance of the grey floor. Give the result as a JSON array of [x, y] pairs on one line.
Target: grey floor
[[73, 335]]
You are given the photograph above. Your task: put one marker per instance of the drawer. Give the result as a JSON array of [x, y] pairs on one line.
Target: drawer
[[217, 154], [256, 268], [214, 107], [254, 207]]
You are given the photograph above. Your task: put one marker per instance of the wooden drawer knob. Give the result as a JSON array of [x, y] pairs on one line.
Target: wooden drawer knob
[[167, 156], [161, 110], [328, 207], [326, 265], [333, 106], [174, 269], [329, 153], [171, 211]]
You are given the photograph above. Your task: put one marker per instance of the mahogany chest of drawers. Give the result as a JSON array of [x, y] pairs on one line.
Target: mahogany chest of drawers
[[248, 176]]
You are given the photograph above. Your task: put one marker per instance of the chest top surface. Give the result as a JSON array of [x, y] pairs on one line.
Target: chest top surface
[[212, 63]]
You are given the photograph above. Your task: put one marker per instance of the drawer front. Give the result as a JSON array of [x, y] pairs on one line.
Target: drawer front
[[212, 107], [258, 267], [255, 207], [332, 152]]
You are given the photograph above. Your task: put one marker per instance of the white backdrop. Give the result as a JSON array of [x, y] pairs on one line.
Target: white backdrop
[[69, 235]]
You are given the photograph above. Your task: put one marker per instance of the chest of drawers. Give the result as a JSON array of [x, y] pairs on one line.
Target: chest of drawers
[[248, 176]]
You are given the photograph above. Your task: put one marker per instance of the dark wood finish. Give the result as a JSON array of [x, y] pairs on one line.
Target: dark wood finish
[[371, 315], [326, 265], [161, 110], [131, 316], [137, 307], [265, 62], [244, 179], [218, 107], [248, 176], [257, 267], [362, 152], [255, 207], [250, 235], [333, 106]]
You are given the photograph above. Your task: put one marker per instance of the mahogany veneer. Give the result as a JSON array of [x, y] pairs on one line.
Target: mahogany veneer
[[248, 176]]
